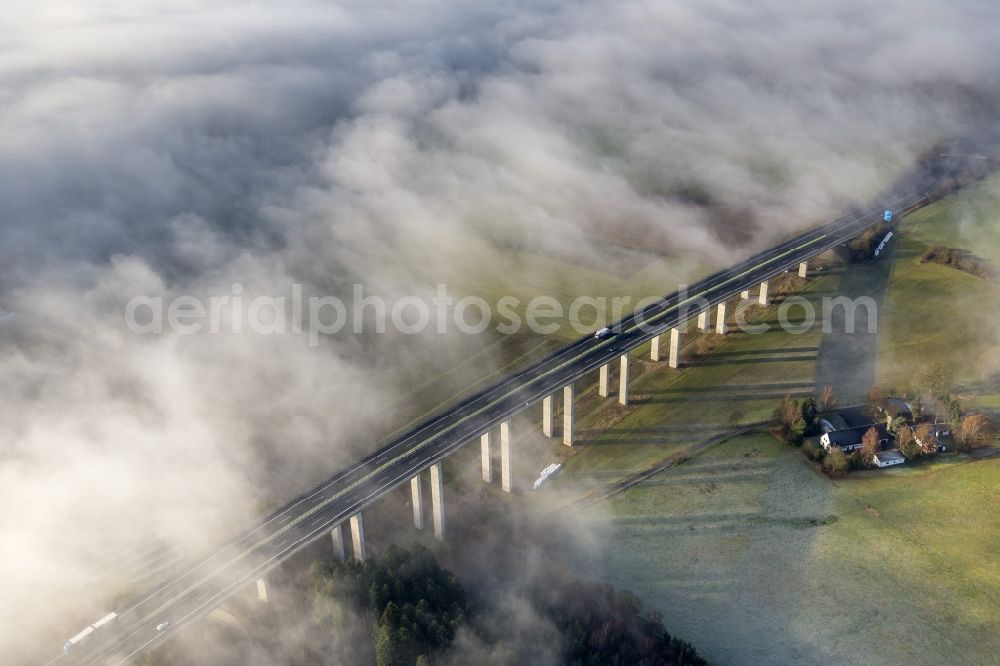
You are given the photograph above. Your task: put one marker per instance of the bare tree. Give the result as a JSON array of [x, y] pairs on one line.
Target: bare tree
[[976, 430], [835, 462], [826, 398], [924, 436], [789, 410], [791, 424], [869, 446], [907, 442], [936, 378]]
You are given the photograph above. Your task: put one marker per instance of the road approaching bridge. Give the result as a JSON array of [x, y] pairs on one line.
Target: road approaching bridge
[[320, 513]]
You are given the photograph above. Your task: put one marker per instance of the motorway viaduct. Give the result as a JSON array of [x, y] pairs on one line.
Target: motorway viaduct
[[334, 510], [487, 440]]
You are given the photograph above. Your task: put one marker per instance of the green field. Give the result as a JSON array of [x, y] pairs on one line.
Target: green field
[[966, 221], [757, 559], [450, 368], [740, 381], [754, 556], [937, 312], [750, 553]]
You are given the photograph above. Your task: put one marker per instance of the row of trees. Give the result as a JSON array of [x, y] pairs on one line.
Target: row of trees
[[958, 259], [975, 430], [798, 420]]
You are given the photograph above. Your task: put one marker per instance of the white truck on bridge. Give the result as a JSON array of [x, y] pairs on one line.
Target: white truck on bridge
[[72, 643]]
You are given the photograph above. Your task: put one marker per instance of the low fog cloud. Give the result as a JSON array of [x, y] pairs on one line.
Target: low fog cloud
[[170, 148]]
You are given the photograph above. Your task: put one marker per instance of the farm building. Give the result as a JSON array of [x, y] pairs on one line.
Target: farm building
[[939, 435], [849, 439], [889, 458]]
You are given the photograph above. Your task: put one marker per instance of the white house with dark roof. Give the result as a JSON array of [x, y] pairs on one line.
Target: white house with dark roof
[[849, 439]]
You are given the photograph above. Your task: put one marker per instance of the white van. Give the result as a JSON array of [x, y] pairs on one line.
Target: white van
[[603, 333]]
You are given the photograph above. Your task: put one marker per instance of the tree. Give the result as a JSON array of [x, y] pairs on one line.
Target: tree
[[877, 396], [936, 378], [925, 439], [976, 430], [796, 432], [388, 651], [809, 409], [417, 606], [835, 461], [894, 424], [918, 408], [826, 398], [907, 442], [869, 447], [810, 418], [813, 450], [788, 411], [413, 608], [954, 414], [791, 426], [602, 626]]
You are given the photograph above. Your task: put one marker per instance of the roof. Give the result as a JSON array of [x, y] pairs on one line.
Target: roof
[[891, 454], [835, 422], [897, 407], [853, 416], [852, 436]]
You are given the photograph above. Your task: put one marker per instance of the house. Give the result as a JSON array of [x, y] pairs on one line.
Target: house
[[938, 434], [889, 458], [849, 439], [941, 430], [935, 412]]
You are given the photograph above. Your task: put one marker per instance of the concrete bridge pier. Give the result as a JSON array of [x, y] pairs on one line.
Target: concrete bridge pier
[[604, 383], [654, 348], [417, 500], [720, 322], [486, 446], [623, 380], [745, 294], [703, 320], [568, 415], [762, 299], [505, 456], [437, 500], [358, 536], [263, 590], [803, 269], [337, 537], [675, 347], [547, 416]]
